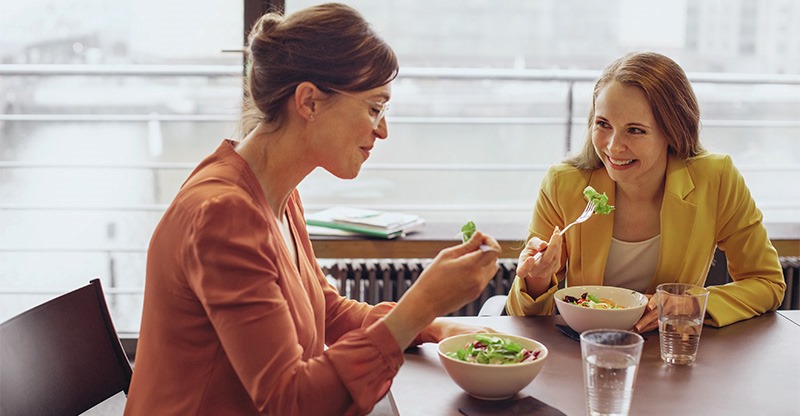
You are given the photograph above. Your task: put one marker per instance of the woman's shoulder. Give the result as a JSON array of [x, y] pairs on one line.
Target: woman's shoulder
[[566, 172], [713, 169], [222, 181], [211, 196], [709, 161], [565, 175]]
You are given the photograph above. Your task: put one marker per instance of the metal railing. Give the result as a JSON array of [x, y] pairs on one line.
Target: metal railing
[[568, 77], [410, 72]]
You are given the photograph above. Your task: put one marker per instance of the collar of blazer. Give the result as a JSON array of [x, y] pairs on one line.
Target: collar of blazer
[[677, 225]]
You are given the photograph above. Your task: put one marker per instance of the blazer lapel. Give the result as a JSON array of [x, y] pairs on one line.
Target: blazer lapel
[[677, 223], [596, 233]]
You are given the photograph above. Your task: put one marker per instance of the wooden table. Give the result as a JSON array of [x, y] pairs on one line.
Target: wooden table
[[748, 368]]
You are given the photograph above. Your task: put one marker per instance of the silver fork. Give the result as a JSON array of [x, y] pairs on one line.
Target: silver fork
[[587, 212]]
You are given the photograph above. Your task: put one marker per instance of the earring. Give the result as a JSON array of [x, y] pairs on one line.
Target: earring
[[311, 117]]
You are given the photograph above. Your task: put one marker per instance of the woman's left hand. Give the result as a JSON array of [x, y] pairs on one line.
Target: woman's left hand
[[649, 320], [441, 329]]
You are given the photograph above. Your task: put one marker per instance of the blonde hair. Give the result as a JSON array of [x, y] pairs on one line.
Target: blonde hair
[[671, 99], [329, 45]]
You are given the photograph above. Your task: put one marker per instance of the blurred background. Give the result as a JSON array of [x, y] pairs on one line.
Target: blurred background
[[105, 107]]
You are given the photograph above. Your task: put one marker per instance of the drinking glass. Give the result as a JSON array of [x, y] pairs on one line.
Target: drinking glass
[[681, 310], [610, 360]]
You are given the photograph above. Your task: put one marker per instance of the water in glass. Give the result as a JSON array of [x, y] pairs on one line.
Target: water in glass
[[609, 378], [679, 337]]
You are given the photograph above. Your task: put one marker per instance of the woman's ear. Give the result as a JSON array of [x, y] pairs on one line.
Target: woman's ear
[[306, 96]]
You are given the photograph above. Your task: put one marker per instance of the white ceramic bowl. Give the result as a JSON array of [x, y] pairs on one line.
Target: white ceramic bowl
[[491, 381], [581, 318]]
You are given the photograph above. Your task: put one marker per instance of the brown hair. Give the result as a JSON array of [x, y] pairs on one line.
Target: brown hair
[[671, 99], [329, 45]]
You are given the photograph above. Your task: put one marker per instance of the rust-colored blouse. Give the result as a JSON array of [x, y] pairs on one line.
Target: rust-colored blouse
[[231, 326]]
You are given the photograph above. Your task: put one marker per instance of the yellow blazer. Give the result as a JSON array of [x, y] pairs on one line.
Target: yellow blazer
[[706, 205]]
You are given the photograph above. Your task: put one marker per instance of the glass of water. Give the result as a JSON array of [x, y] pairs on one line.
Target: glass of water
[[681, 310], [610, 360]]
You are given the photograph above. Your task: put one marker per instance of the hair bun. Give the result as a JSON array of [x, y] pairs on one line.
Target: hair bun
[[265, 25]]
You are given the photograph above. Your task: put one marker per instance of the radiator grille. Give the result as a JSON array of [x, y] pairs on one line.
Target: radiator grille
[[378, 280]]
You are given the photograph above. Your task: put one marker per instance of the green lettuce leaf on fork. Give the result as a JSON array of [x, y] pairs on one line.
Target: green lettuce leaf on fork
[[600, 200]]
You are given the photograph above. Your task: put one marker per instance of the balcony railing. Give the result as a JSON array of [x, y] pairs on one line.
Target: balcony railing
[[568, 77]]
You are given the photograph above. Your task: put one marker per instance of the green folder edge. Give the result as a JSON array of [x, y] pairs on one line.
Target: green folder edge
[[355, 229]]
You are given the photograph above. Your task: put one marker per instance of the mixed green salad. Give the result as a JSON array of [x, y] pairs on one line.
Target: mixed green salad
[[486, 349], [588, 300], [600, 200]]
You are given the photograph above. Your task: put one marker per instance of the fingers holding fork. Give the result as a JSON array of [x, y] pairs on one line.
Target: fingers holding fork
[[555, 240], [587, 212]]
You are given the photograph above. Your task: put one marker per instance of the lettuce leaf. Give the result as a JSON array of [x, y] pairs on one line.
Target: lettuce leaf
[[467, 230], [600, 200]]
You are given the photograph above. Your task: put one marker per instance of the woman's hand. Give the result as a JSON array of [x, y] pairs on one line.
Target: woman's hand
[[537, 273], [671, 305], [649, 320], [456, 277], [458, 274], [441, 329]]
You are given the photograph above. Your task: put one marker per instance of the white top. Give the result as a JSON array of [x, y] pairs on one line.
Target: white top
[[632, 264], [286, 232]]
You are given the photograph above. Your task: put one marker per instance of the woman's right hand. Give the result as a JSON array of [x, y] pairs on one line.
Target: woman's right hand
[[458, 274], [456, 277], [537, 273]]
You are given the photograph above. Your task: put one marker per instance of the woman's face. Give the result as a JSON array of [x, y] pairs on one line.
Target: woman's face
[[348, 133], [626, 137]]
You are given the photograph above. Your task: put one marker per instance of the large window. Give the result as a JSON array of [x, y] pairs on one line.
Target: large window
[[107, 106], [491, 93]]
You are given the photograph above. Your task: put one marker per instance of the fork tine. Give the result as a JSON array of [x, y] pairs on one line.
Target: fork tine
[[589, 208]]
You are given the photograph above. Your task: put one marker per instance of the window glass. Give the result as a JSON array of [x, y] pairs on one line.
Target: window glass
[[91, 152], [490, 94], [483, 141]]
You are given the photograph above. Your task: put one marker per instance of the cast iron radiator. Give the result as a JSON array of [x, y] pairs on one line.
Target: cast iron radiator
[[377, 280]]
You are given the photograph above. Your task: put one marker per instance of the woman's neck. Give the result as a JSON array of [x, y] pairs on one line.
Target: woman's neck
[[275, 158], [638, 210], [641, 193], [647, 188]]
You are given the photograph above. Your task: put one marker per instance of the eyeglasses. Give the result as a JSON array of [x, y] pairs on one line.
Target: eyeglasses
[[381, 108]]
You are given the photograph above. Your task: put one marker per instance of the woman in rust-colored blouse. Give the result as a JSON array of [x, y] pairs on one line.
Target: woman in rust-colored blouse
[[238, 318]]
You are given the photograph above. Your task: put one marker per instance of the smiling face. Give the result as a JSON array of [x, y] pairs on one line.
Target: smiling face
[[626, 137], [349, 135]]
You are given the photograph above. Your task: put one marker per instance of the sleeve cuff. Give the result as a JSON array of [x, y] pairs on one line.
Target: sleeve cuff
[[520, 303]]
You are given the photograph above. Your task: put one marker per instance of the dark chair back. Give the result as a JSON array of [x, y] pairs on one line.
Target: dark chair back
[[62, 357]]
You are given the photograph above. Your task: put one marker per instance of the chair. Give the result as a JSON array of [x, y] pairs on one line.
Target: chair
[[62, 357], [494, 306]]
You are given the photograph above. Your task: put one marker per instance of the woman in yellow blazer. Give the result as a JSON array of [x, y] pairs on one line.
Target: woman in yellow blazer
[[674, 203]]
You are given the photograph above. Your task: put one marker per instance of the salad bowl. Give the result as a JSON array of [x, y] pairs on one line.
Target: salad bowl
[[491, 381], [594, 310]]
